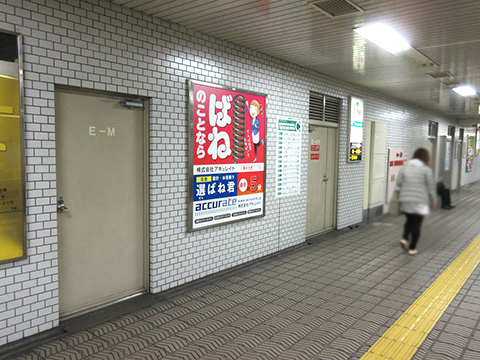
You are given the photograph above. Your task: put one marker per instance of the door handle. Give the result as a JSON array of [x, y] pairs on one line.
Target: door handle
[[325, 179], [61, 208]]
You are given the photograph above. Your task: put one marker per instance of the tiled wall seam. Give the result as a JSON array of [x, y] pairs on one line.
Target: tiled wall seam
[[98, 45]]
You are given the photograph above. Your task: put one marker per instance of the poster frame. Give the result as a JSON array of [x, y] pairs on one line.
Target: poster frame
[[470, 153], [277, 123], [190, 107], [351, 100], [22, 145], [477, 142]]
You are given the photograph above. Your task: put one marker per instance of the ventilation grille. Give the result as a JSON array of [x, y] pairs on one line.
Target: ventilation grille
[[452, 84], [451, 131], [432, 129], [324, 108], [332, 109], [334, 8], [440, 75], [316, 107]]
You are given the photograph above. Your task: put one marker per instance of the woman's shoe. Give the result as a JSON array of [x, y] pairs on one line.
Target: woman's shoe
[[404, 243], [412, 252]]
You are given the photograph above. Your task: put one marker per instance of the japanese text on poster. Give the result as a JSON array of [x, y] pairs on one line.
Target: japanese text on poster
[[228, 145], [289, 156]]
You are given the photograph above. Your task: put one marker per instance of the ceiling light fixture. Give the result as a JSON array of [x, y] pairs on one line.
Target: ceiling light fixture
[[465, 90], [384, 36]]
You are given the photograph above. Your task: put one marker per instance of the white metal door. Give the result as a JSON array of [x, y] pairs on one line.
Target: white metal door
[[100, 172], [375, 159], [321, 182], [377, 164]]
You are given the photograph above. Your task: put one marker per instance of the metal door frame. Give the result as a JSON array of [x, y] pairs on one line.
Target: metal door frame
[[316, 124], [146, 184]]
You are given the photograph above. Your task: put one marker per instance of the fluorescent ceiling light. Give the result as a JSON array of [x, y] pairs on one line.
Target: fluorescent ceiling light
[[465, 90], [384, 37]]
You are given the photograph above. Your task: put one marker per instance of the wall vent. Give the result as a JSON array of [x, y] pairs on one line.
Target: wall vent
[[332, 109], [432, 130], [451, 131], [324, 108], [335, 8]]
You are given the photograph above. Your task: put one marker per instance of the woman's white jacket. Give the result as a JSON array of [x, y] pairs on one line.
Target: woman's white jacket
[[415, 180]]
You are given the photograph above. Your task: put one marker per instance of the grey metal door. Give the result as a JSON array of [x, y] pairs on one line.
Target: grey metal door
[[100, 173], [321, 181]]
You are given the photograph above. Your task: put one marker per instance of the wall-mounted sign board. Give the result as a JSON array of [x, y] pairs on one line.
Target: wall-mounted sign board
[[12, 202], [355, 129], [289, 156]]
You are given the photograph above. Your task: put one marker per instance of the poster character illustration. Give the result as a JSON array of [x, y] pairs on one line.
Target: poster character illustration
[[255, 110], [228, 154]]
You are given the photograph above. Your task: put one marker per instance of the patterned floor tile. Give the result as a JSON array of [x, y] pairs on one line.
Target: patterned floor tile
[[177, 311], [78, 338], [103, 329], [90, 347], [210, 325], [231, 351], [108, 354], [293, 355], [150, 353], [211, 342], [309, 347], [228, 332], [270, 349], [249, 340], [69, 354], [51, 348], [125, 320], [133, 345], [31, 356], [175, 326], [117, 336], [330, 300]]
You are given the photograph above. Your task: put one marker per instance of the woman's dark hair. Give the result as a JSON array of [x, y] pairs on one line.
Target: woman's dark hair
[[422, 154]]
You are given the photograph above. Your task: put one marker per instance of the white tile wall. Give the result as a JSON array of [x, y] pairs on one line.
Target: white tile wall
[[94, 44]]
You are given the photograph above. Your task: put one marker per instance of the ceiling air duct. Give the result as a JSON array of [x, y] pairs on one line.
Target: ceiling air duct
[[335, 8], [440, 75]]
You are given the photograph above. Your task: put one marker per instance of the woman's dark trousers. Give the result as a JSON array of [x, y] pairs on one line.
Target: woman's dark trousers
[[411, 230]]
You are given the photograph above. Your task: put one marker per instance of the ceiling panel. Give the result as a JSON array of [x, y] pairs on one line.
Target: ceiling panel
[[445, 31]]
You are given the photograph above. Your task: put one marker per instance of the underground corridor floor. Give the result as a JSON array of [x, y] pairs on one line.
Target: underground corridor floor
[[349, 294]]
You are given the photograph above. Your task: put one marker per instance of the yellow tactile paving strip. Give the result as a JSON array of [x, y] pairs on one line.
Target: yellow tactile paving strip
[[404, 337]]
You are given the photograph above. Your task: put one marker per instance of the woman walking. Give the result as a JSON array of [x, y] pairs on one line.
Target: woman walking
[[417, 196]]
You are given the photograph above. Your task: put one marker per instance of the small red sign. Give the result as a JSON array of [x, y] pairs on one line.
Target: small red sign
[[397, 163], [314, 156], [315, 147]]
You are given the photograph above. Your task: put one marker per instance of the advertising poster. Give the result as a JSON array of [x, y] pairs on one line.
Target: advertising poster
[[227, 152], [289, 156], [470, 153], [477, 142]]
